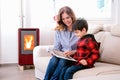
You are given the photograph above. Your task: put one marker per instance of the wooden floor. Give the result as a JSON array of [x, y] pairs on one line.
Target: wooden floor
[[12, 72]]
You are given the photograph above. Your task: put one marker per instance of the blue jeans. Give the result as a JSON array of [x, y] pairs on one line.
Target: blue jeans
[[68, 71], [54, 68]]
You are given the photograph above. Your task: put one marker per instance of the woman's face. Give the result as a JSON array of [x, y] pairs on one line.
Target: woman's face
[[67, 20]]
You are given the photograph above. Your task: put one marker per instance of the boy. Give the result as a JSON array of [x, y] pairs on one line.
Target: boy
[[87, 51]]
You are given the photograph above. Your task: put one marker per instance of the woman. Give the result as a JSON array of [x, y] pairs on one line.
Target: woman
[[65, 41]]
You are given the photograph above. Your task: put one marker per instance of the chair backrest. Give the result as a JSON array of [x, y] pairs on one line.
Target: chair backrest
[[110, 45]]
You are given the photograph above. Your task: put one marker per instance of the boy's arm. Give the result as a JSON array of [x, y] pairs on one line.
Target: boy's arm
[[94, 48]]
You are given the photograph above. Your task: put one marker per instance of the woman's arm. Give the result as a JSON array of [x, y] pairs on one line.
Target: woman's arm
[[57, 44]]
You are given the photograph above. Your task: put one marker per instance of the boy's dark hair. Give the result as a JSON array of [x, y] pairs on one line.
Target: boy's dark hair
[[79, 24]]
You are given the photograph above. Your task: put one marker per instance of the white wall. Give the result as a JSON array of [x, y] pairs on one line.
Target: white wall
[[116, 12], [41, 16], [9, 31], [11, 21], [36, 16], [41, 12], [0, 31]]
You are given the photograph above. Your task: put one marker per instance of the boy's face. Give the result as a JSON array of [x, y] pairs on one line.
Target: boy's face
[[80, 33]]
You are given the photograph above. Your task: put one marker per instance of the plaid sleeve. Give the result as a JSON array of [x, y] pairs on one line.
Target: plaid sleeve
[[93, 46]]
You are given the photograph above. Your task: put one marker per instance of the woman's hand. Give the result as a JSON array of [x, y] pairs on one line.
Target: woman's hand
[[69, 53], [83, 62]]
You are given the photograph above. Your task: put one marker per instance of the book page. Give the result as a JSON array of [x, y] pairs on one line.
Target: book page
[[59, 54]]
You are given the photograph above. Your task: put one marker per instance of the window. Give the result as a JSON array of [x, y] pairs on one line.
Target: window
[[90, 9], [40, 14]]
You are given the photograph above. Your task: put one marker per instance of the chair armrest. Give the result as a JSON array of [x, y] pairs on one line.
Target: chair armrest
[[41, 51]]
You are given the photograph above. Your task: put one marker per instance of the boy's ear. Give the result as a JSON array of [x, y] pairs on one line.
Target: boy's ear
[[83, 29]]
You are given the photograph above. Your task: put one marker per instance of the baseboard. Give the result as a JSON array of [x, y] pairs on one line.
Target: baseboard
[[20, 67], [8, 64]]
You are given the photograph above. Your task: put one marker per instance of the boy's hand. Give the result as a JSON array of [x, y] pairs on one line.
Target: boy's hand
[[83, 62]]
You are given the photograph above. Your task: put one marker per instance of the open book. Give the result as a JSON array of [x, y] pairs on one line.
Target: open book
[[59, 54]]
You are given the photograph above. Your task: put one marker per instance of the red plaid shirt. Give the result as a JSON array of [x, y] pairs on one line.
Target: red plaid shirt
[[88, 49]]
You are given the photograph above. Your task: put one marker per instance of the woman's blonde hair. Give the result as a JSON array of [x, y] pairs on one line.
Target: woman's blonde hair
[[69, 11]]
